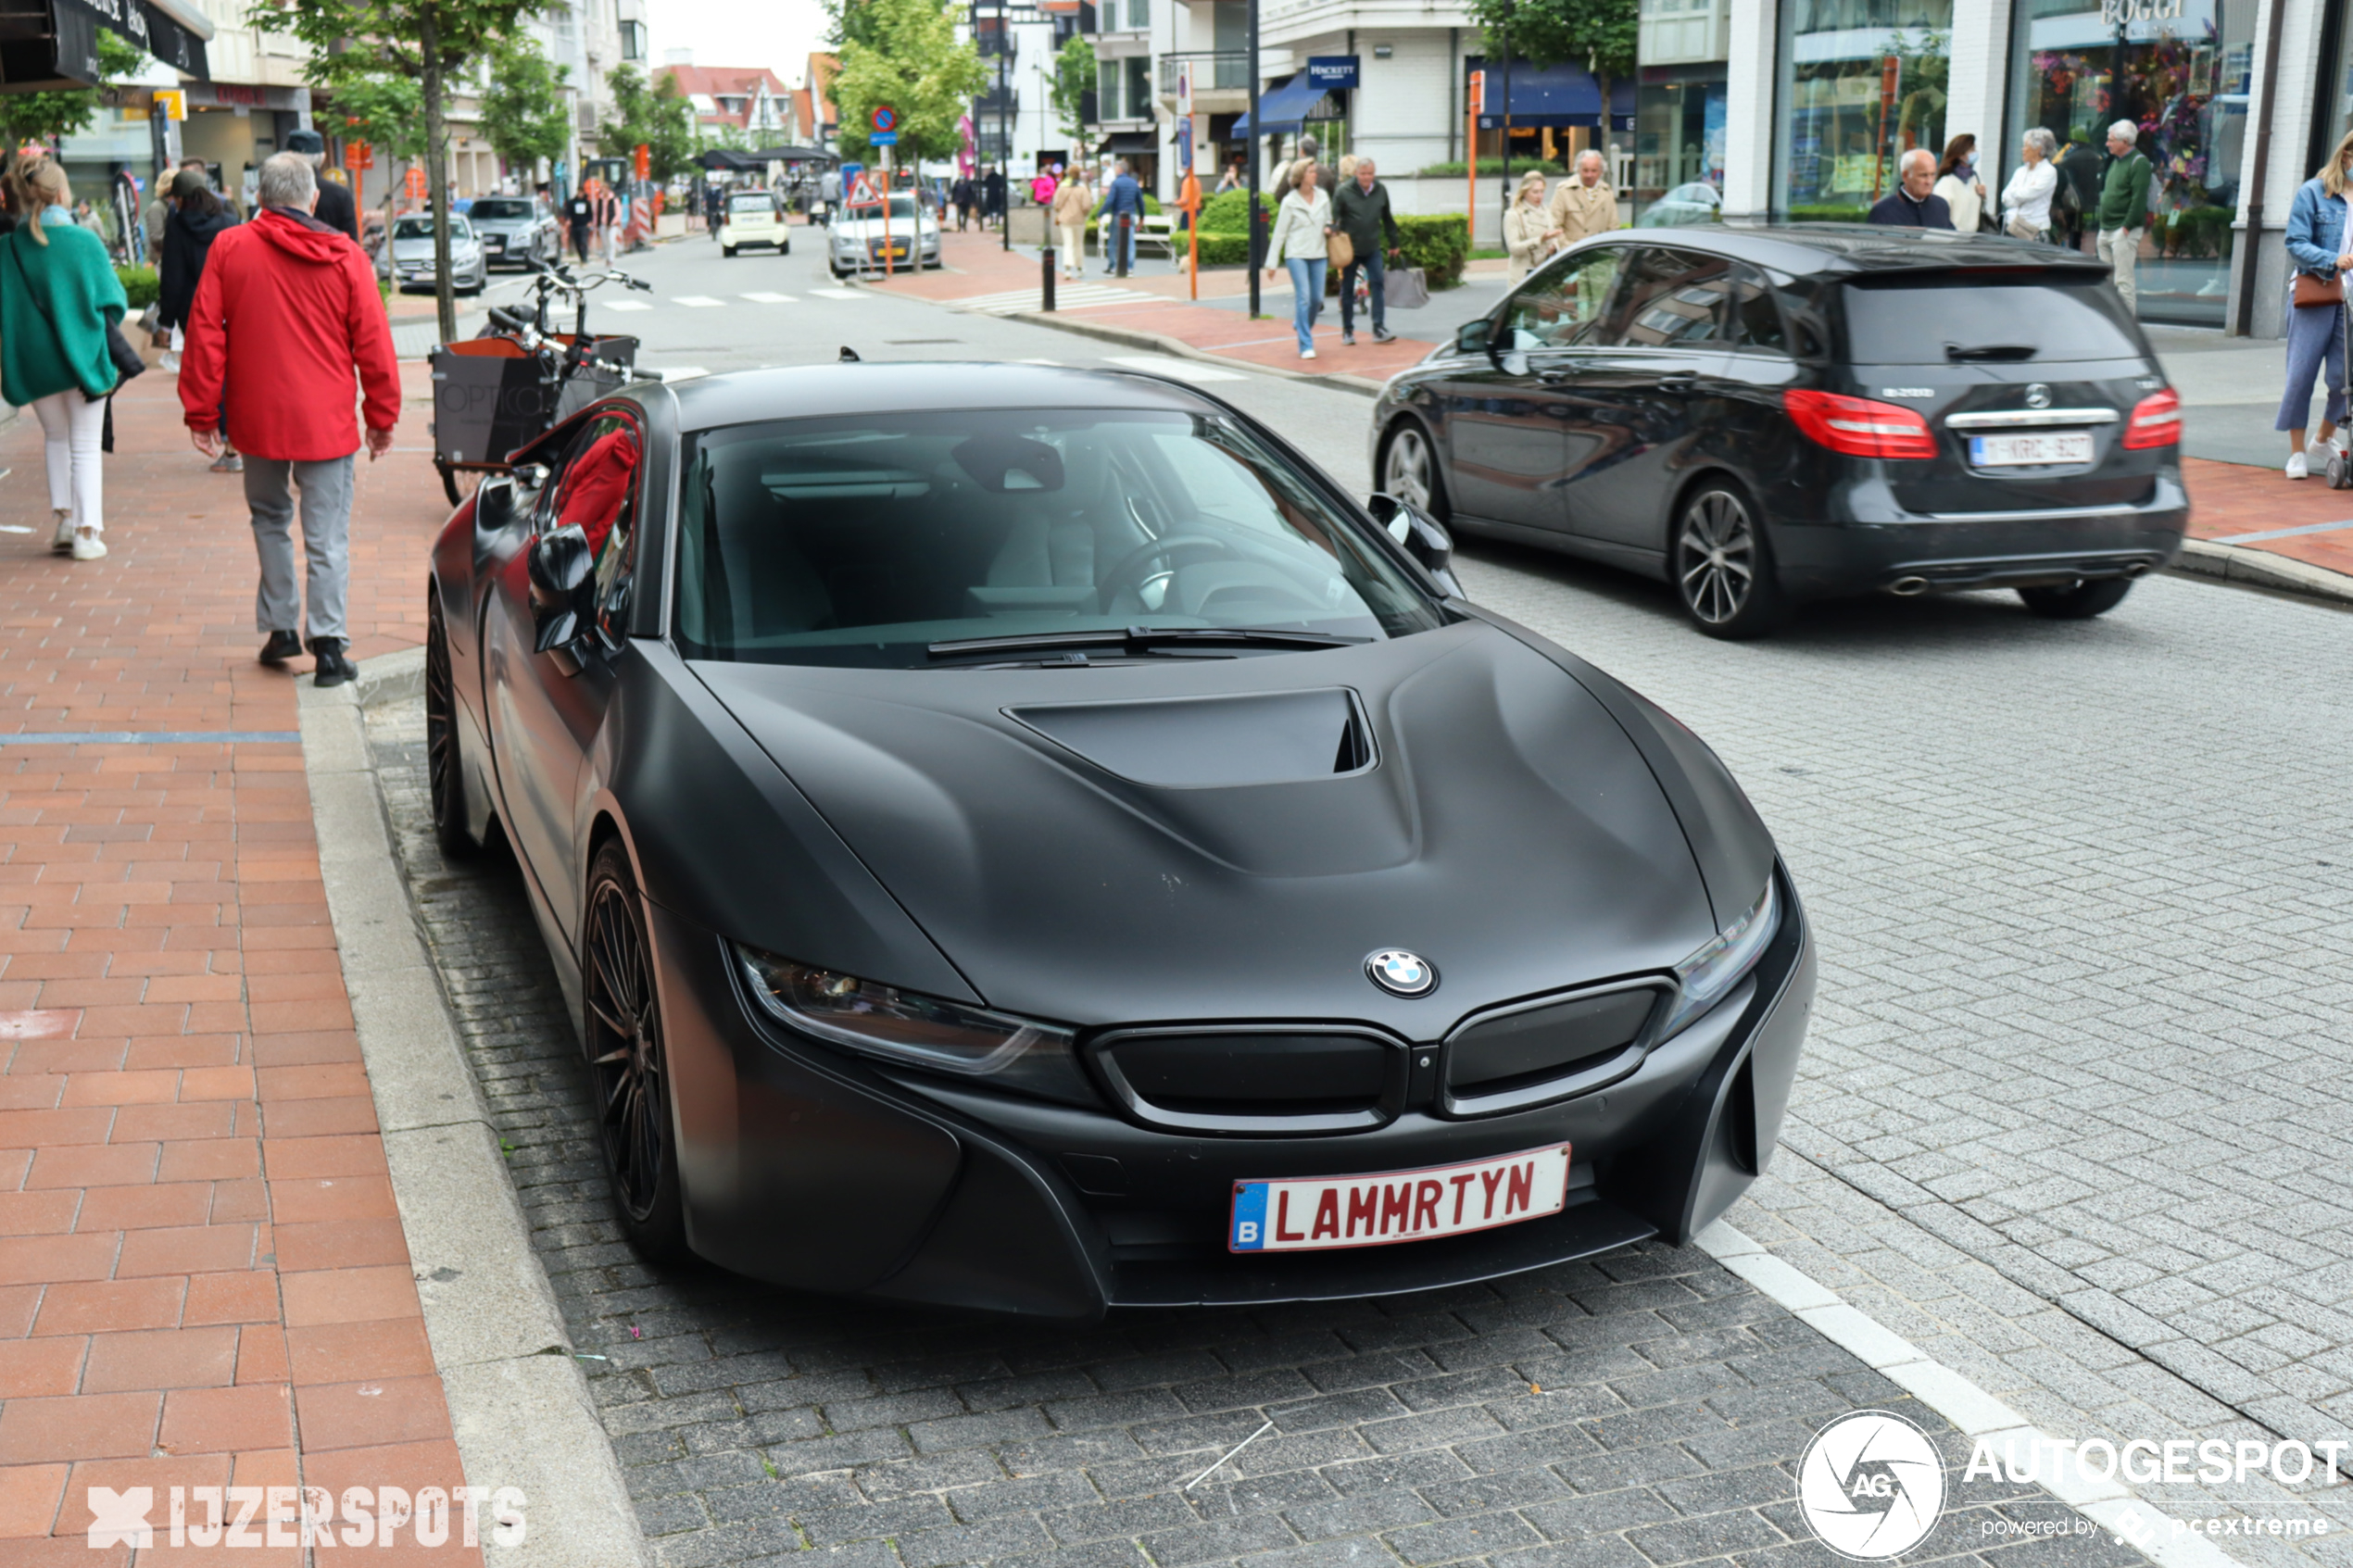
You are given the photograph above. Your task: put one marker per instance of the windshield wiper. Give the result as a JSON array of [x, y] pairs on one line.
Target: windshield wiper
[[1989, 351], [1143, 640]]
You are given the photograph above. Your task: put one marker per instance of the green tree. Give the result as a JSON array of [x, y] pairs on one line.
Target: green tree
[[44, 116], [523, 115], [655, 116], [1073, 79], [915, 64], [429, 42], [386, 112], [850, 20], [1598, 34]]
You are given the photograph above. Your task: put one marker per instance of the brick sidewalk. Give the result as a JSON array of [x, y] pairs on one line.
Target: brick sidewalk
[[203, 1279], [2230, 501]]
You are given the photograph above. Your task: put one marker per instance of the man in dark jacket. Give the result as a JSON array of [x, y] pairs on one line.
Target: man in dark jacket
[[1361, 211], [336, 210], [1914, 204], [285, 320], [579, 214], [195, 219], [993, 197], [1122, 198]]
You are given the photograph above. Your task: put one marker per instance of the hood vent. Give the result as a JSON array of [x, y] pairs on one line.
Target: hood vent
[[1211, 743]]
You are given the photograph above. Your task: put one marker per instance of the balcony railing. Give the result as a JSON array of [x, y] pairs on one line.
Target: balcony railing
[[1212, 71]]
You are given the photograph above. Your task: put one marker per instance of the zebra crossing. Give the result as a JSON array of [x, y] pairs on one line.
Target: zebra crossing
[[709, 302], [1068, 296]]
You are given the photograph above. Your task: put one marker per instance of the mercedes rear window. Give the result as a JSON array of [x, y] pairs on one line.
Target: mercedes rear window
[[2034, 316]]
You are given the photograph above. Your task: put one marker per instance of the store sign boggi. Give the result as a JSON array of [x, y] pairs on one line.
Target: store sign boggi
[[2125, 13]]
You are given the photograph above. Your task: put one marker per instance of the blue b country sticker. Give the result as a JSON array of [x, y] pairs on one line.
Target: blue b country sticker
[[1315, 1213], [1249, 1218]]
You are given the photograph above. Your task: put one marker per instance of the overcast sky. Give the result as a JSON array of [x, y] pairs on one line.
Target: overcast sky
[[777, 33]]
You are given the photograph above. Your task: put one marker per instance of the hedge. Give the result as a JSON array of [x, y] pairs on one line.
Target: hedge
[[1488, 171], [140, 284], [1438, 244]]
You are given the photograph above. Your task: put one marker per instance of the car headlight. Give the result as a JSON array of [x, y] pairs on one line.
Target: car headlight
[[1724, 961], [915, 1030]]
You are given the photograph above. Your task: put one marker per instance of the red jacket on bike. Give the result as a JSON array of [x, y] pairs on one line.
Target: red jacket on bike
[[286, 318]]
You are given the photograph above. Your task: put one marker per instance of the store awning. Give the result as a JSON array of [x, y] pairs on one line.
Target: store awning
[[1557, 95], [46, 45], [1130, 143], [1284, 108], [729, 160], [795, 155]]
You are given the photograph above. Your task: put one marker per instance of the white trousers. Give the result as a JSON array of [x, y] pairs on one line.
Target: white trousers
[[1073, 246], [70, 426]]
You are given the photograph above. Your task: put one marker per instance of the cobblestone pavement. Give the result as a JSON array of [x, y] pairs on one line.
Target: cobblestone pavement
[[1644, 1409]]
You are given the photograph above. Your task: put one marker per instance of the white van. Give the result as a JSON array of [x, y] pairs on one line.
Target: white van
[[753, 219]]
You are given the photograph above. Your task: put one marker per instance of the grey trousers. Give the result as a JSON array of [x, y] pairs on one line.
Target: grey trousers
[[326, 541]]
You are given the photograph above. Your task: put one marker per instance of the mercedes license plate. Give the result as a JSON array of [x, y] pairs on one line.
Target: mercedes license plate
[[2026, 451], [1313, 1213]]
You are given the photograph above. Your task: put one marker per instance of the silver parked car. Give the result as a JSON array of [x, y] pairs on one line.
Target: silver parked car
[[516, 230], [408, 259]]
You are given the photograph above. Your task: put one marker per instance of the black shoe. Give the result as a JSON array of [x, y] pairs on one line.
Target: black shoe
[[1382, 335], [332, 667], [282, 646]]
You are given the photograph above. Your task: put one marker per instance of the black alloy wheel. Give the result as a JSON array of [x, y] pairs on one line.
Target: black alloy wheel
[[1723, 568], [1409, 471], [445, 776], [2079, 601], [630, 1069]]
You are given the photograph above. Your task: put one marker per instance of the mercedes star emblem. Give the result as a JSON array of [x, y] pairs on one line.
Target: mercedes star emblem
[[2038, 397], [1401, 973]]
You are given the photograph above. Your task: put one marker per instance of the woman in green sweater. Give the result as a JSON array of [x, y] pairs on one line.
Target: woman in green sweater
[[59, 294]]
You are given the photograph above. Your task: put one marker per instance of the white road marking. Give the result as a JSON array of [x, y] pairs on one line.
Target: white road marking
[[698, 301], [838, 293], [1168, 364], [763, 298], [624, 305], [1068, 296]]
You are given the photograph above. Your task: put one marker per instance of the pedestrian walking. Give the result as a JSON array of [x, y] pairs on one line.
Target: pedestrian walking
[[1302, 227], [960, 193], [59, 296], [829, 193], [336, 210], [1529, 234], [1361, 211], [1957, 182], [2318, 251], [2124, 208], [198, 219], [604, 218], [993, 197], [1914, 203], [154, 216], [1073, 202], [286, 318], [1122, 198], [579, 213], [1585, 204], [2079, 187], [2026, 200]]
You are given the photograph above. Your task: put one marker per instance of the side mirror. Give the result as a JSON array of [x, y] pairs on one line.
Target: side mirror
[[1472, 337], [1423, 536], [562, 576]]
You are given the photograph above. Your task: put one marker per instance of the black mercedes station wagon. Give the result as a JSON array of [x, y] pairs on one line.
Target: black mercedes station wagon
[[1761, 416]]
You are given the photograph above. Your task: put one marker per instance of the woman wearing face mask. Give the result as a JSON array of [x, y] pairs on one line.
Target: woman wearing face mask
[[58, 295], [1957, 182], [2318, 248]]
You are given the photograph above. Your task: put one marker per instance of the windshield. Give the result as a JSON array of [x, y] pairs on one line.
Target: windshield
[[756, 203], [2057, 315], [861, 541], [902, 210], [420, 228], [493, 206]]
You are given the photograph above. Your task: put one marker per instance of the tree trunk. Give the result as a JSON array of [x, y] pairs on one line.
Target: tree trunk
[[437, 170]]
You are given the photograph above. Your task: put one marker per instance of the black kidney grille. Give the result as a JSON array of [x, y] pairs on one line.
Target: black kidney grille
[[1256, 1073], [1530, 1047]]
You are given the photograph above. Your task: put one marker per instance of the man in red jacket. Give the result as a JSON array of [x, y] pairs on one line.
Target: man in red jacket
[[287, 333]]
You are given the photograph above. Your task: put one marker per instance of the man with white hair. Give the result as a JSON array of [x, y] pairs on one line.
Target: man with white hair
[[2124, 207], [1914, 203], [286, 320], [1584, 204]]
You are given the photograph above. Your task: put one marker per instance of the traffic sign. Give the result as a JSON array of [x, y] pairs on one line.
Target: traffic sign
[[885, 119], [1184, 89], [882, 138], [1185, 143], [415, 184]]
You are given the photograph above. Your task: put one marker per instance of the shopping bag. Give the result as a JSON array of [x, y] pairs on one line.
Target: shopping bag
[[1406, 288]]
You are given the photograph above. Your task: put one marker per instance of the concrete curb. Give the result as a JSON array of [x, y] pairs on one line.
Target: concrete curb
[[2124, 1514], [518, 1402], [2261, 569]]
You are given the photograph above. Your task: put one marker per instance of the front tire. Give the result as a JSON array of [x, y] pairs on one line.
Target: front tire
[[1723, 568], [727, 251], [629, 1060], [445, 767], [1409, 471], [2080, 602]]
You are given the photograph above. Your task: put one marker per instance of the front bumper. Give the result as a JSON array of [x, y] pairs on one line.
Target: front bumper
[[821, 1172], [1878, 545]]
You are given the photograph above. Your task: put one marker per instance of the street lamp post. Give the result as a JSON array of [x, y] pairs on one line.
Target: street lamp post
[[1250, 157]]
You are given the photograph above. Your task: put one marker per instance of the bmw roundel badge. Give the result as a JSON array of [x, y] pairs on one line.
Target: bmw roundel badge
[[1401, 973]]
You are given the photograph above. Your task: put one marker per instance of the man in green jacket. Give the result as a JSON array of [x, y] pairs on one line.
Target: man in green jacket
[[2124, 207]]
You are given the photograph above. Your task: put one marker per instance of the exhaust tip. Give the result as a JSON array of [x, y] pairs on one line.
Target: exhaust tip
[[2138, 569], [1908, 587]]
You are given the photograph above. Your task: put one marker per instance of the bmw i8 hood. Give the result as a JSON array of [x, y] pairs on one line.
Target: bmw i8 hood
[[1232, 838]]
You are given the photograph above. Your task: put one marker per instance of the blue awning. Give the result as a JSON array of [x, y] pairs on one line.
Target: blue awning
[[1283, 108], [1558, 96]]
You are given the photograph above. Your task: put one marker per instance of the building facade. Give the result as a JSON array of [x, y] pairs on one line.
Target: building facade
[[1821, 97]]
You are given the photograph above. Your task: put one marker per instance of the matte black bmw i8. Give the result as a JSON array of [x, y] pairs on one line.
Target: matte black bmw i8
[[1025, 838]]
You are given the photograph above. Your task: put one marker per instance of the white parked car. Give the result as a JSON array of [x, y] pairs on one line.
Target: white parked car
[[753, 219], [857, 237], [407, 259]]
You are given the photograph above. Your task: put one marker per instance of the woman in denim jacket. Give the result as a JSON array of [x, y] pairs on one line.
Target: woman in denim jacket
[[2317, 244]]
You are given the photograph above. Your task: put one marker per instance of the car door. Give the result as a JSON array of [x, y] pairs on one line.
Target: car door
[[546, 708], [1657, 363], [1507, 410]]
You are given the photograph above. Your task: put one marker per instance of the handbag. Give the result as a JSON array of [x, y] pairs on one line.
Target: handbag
[[1406, 288], [2313, 289], [125, 358], [1340, 250]]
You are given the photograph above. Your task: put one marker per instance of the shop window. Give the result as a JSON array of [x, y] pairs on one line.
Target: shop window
[[1862, 82]]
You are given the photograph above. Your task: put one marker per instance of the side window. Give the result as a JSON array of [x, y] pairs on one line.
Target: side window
[[1561, 306], [1756, 320], [1668, 298], [598, 490]]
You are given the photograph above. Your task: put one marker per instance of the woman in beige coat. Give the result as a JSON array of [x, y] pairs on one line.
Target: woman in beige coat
[[1073, 202], [1528, 234]]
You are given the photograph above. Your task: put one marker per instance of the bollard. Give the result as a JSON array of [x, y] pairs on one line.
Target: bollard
[[1046, 278], [1123, 236]]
